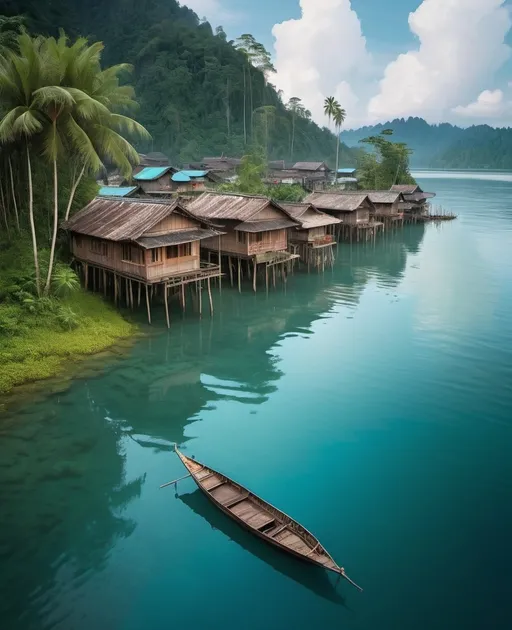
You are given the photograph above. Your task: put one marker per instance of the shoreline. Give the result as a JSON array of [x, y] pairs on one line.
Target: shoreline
[[39, 354]]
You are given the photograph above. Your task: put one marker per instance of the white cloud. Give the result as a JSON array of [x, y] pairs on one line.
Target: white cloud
[[490, 104], [323, 53], [461, 46]]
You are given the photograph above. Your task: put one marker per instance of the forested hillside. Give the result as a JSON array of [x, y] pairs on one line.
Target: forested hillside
[[445, 145], [199, 94]]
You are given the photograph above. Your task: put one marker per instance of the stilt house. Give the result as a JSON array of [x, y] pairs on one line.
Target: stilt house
[[314, 238], [121, 243], [415, 200], [155, 179], [256, 230]]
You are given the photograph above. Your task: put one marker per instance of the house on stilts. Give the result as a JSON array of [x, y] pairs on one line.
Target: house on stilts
[[355, 211], [256, 234], [415, 204], [129, 247], [314, 239]]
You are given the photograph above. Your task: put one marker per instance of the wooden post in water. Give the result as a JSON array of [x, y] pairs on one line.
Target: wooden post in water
[[147, 304], [230, 270], [131, 294], [200, 293], [115, 288], [220, 266], [255, 270], [239, 277], [138, 294], [183, 297], [166, 307], [210, 296]]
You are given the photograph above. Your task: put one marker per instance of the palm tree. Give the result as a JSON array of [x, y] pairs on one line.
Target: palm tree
[[330, 107], [294, 106], [61, 102], [20, 77], [339, 118]]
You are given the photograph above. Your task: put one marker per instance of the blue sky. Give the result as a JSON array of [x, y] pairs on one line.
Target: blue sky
[[455, 66]]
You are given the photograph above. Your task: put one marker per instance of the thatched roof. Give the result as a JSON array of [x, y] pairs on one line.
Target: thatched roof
[[310, 166], [265, 226], [175, 238], [122, 219], [406, 188], [309, 216], [340, 201], [231, 206], [383, 196]]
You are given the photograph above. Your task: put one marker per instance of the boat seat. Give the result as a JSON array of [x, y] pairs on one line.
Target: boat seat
[[217, 485], [238, 499], [269, 525], [277, 530]]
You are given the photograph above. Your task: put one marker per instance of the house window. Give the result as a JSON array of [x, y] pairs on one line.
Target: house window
[[179, 251], [132, 254], [98, 247], [156, 255], [241, 237], [261, 237]]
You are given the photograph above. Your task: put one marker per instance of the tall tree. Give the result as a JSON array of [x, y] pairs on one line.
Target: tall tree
[[331, 105], [294, 106], [339, 118]]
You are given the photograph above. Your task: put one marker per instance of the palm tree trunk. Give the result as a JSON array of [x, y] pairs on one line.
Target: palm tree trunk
[[4, 208], [32, 224], [55, 227], [73, 191], [252, 105], [338, 132], [14, 196]]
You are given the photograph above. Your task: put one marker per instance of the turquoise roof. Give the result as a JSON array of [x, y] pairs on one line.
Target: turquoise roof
[[346, 171], [151, 173], [180, 177], [195, 173], [116, 191]]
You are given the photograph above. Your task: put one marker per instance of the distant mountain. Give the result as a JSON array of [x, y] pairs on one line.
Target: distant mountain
[[445, 145]]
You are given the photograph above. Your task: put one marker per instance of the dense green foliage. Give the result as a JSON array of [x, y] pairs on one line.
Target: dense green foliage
[[386, 165], [199, 93], [251, 174], [445, 145], [38, 335]]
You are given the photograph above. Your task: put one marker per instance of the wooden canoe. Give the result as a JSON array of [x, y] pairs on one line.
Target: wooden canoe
[[259, 517]]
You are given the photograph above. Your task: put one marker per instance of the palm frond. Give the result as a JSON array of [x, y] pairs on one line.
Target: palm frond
[[53, 95]]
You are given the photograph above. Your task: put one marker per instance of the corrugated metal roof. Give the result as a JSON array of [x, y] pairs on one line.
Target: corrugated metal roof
[[121, 219], [227, 206], [265, 226], [309, 166], [341, 201], [151, 173], [193, 174], [175, 238], [406, 188], [347, 180], [117, 191], [180, 177], [309, 216], [346, 171]]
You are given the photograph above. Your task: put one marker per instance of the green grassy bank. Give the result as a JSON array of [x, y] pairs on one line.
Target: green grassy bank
[[35, 346]]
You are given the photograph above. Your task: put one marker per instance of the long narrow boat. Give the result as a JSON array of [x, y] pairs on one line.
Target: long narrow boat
[[259, 517]]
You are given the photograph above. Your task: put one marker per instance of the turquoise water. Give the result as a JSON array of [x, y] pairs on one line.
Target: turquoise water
[[372, 403]]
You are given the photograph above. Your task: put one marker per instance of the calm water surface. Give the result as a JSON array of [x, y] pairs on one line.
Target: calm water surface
[[373, 403]]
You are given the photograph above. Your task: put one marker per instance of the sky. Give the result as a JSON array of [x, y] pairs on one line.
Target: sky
[[443, 60]]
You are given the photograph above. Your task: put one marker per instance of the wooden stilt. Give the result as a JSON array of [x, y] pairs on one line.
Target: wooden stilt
[[166, 307], [220, 266], [131, 295], [183, 298], [230, 270], [254, 275], [86, 276], [104, 283], [138, 294], [239, 276], [115, 288], [266, 276], [274, 276], [210, 296], [147, 304], [200, 292], [127, 293]]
